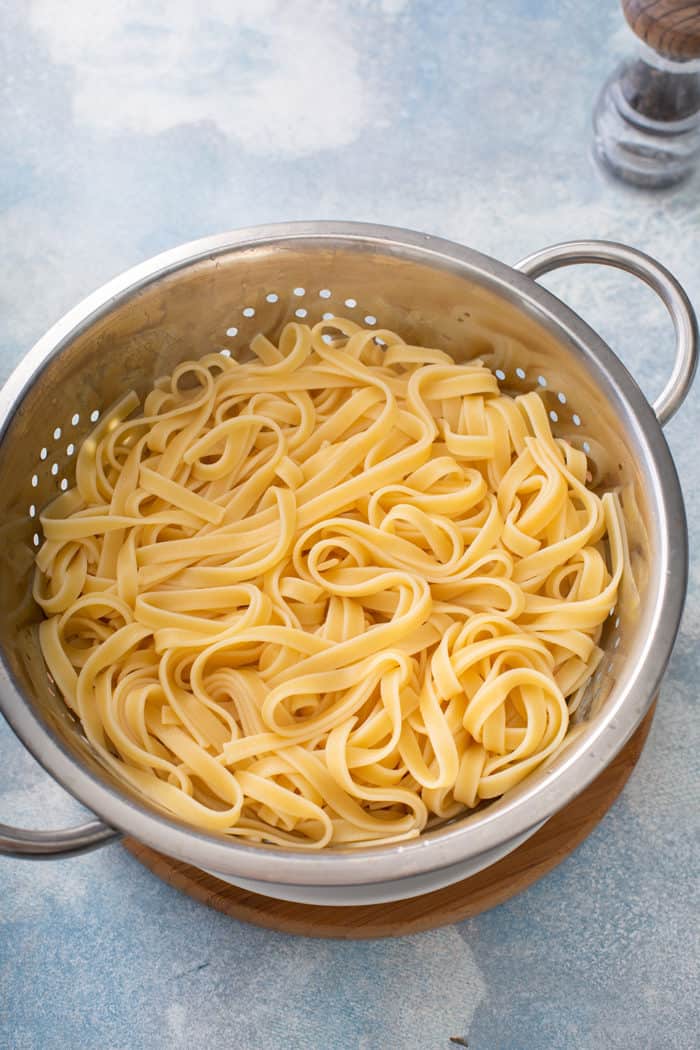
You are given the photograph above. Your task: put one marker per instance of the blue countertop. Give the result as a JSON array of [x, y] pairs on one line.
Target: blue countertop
[[128, 128]]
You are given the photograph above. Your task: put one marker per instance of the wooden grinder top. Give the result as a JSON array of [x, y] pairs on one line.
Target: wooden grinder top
[[669, 27]]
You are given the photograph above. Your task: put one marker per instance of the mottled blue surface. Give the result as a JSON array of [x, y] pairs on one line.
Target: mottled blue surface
[[127, 127]]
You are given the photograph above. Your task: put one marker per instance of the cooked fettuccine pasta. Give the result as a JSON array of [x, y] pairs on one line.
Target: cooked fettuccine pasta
[[327, 594]]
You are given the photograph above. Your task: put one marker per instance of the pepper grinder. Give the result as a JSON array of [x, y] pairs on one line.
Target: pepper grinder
[[647, 118]]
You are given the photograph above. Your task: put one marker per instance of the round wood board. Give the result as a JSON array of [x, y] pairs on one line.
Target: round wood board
[[529, 862]]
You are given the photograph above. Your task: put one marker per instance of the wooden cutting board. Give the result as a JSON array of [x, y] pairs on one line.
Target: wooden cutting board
[[548, 847]]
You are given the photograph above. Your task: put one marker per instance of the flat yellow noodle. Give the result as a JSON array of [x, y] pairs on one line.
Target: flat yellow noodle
[[329, 595]]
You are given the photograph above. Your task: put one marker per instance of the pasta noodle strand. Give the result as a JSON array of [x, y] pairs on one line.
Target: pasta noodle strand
[[327, 594]]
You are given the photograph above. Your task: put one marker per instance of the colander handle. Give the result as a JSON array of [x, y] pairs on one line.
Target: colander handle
[[22, 842], [674, 298]]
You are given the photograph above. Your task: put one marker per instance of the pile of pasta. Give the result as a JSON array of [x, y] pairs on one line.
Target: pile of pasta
[[327, 594]]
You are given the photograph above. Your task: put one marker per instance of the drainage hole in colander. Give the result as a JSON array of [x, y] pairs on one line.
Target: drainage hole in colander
[[35, 539], [70, 449], [32, 511], [35, 480], [75, 419], [576, 419], [248, 311], [541, 380], [272, 297], [231, 332], [586, 447], [299, 292], [325, 293], [225, 352], [328, 317], [64, 484], [500, 374], [351, 303], [520, 373], [370, 319], [554, 416], [562, 398], [301, 312], [94, 415], [54, 469], [43, 454], [57, 434]]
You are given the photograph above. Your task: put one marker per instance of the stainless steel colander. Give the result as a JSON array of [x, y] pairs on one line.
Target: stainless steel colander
[[216, 293]]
